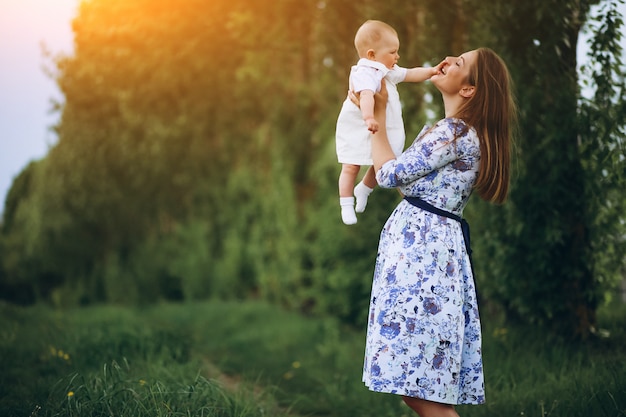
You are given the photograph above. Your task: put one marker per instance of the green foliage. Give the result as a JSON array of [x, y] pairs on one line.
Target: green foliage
[[16, 275], [196, 159], [602, 126], [111, 362], [338, 262], [116, 391], [253, 359], [549, 232]]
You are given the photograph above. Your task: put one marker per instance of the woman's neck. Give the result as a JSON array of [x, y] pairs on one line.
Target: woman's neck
[[452, 104]]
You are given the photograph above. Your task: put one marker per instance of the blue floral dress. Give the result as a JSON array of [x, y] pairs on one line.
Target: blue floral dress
[[423, 335]]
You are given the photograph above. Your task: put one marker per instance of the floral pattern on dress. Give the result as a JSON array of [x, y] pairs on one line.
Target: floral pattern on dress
[[423, 335]]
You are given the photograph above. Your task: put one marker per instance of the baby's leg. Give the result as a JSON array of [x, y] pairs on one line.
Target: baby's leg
[[347, 178], [363, 189]]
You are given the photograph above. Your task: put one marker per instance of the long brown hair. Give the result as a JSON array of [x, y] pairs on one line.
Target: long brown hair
[[492, 112]]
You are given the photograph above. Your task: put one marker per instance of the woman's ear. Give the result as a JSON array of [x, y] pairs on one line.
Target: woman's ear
[[467, 91]]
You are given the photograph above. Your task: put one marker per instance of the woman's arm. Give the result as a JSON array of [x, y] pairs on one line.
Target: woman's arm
[[381, 150]]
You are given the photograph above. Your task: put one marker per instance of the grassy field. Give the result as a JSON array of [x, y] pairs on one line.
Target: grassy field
[[252, 359]]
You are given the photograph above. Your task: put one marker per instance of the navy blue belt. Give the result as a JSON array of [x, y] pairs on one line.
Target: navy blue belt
[[418, 202]]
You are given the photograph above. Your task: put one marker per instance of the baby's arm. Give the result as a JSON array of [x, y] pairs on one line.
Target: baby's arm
[[367, 110], [419, 74]]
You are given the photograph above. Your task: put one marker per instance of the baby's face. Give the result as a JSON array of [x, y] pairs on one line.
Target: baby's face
[[386, 51]]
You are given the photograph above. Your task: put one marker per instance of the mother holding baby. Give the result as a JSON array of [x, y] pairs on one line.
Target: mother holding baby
[[424, 336]]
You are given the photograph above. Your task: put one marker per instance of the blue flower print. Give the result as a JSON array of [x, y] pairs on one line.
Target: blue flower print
[[431, 305], [391, 275], [390, 330], [409, 237], [423, 336], [450, 268]]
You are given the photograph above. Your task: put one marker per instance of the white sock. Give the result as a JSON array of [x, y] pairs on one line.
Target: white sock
[[362, 192], [347, 210]]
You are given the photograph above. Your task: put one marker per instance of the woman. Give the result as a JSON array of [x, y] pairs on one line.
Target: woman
[[423, 336]]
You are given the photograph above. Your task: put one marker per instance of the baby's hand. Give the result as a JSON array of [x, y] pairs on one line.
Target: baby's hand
[[372, 124], [439, 66]]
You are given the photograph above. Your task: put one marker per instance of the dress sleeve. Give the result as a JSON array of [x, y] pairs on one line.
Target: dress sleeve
[[435, 149]]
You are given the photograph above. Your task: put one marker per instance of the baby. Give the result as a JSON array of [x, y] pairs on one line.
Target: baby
[[377, 45]]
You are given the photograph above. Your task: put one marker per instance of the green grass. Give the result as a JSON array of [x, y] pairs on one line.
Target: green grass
[[252, 359]]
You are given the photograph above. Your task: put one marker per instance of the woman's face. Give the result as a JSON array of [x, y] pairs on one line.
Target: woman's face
[[453, 73]]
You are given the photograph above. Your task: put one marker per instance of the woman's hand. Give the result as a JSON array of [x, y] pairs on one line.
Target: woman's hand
[[380, 102]]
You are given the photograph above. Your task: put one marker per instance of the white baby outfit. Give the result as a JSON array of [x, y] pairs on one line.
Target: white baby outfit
[[353, 140]]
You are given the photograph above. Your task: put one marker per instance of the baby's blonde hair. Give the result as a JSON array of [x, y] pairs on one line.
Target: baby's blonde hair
[[370, 34]]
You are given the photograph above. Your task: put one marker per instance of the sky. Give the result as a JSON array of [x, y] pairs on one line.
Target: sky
[[26, 91]]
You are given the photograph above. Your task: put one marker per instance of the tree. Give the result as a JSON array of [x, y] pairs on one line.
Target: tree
[[196, 157], [602, 121], [545, 237]]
